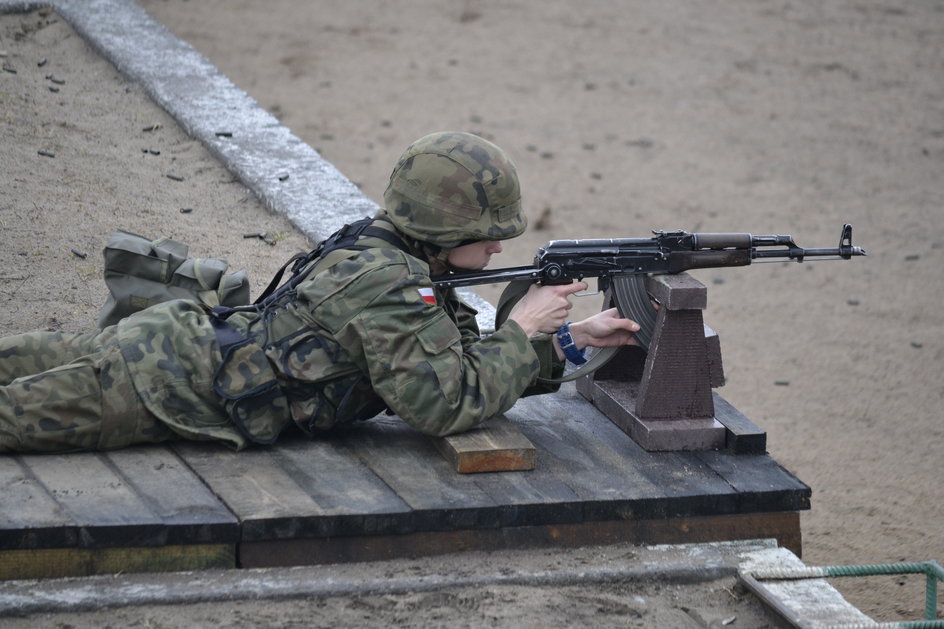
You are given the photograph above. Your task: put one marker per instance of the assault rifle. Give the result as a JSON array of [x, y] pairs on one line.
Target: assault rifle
[[623, 264], [565, 261]]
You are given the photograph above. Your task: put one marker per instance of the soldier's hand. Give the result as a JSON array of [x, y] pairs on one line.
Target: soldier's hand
[[604, 329], [544, 308]]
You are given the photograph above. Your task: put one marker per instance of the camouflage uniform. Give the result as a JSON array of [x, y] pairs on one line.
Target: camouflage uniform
[[358, 337], [146, 379], [365, 331], [369, 331]]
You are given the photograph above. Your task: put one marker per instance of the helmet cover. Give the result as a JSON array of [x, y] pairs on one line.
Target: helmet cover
[[451, 188]]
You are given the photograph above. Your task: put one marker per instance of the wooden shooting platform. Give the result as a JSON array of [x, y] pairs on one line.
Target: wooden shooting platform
[[380, 491]]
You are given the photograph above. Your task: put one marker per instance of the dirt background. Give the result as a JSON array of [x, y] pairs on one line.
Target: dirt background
[[760, 116]]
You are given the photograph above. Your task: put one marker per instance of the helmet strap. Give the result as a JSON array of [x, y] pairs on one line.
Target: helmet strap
[[435, 253]]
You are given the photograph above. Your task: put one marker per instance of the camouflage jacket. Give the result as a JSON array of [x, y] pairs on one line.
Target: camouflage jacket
[[365, 332]]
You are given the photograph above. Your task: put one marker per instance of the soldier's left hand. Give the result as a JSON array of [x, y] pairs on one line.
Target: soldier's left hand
[[604, 329]]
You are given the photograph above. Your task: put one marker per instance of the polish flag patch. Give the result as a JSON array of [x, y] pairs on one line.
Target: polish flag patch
[[427, 295]]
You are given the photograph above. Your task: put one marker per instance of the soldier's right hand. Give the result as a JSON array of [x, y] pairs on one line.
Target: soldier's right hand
[[545, 308]]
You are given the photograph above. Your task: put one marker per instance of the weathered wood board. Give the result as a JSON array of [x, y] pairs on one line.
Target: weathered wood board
[[496, 446], [383, 490], [138, 509]]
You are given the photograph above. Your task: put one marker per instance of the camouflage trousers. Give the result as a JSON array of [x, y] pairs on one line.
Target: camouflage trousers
[[62, 392]]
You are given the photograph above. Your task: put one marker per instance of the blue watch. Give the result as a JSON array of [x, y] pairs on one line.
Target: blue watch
[[570, 350]]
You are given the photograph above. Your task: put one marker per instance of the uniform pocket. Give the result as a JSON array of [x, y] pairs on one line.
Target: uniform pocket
[[251, 393], [438, 335]]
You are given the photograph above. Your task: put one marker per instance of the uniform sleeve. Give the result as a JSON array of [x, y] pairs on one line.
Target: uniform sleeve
[[464, 316], [551, 366], [417, 362]]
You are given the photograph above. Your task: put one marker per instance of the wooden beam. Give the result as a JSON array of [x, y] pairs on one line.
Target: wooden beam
[[52, 563], [497, 446], [782, 526]]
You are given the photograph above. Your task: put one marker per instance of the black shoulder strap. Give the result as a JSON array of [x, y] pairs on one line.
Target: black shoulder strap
[[344, 238], [277, 278]]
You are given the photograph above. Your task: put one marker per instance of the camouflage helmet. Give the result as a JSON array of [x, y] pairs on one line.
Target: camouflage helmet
[[451, 188]]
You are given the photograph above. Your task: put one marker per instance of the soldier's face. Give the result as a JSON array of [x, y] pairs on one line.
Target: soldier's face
[[474, 256]]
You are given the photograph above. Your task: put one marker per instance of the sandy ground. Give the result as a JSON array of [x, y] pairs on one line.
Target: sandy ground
[[767, 117]]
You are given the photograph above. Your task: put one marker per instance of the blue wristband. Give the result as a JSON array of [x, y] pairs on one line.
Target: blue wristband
[[566, 342]]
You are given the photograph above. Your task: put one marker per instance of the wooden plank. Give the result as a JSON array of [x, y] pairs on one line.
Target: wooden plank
[[52, 563], [175, 495], [322, 466], [409, 464], [760, 483], [742, 435], [251, 483], [94, 498], [442, 499], [301, 488], [29, 516], [105, 508], [661, 484], [496, 446], [590, 456], [532, 498], [784, 527], [612, 475]]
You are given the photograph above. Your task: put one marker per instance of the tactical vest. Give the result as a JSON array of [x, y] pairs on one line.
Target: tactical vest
[[307, 383]]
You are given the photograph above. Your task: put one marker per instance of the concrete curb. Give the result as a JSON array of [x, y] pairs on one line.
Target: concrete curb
[[805, 603], [677, 564]]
